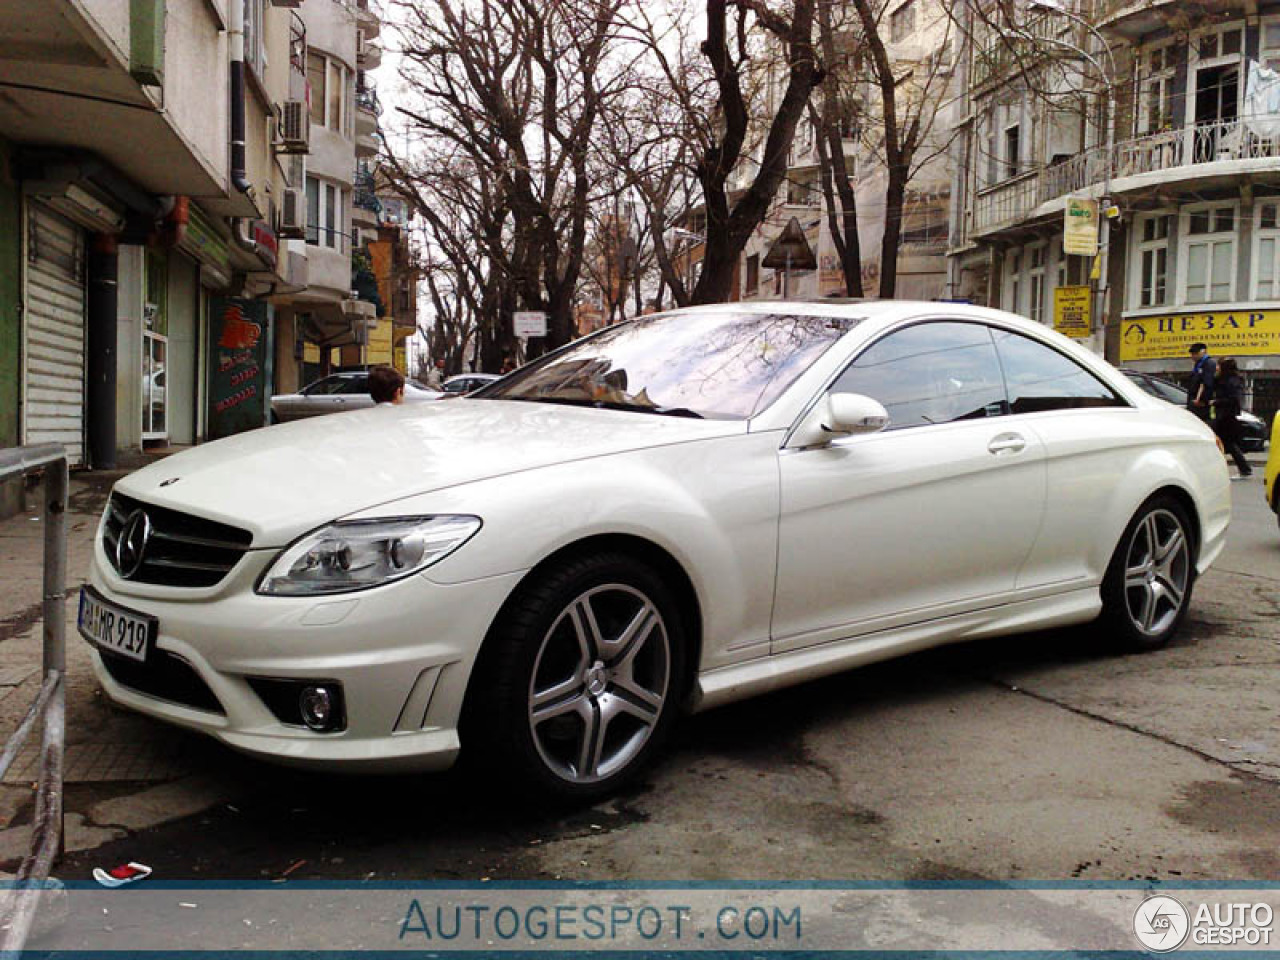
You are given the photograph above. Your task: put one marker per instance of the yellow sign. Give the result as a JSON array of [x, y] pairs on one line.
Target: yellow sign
[[379, 349], [1080, 228], [1071, 311], [1233, 333]]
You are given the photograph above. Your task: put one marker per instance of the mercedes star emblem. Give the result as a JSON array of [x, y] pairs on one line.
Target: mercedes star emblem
[[134, 537]]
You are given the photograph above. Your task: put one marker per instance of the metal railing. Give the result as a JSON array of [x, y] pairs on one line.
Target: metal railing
[[50, 704], [1011, 201]]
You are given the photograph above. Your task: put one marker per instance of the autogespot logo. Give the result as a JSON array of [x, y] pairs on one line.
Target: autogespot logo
[[1161, 924]]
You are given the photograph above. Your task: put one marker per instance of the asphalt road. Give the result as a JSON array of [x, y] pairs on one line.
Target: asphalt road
[[1040, 756]]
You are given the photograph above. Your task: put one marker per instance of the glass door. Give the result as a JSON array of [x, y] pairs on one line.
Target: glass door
[[155, 349]]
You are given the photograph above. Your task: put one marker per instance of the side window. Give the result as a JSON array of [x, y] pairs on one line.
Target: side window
[[323, 387], [930, 373], [358, 384], [1040, 378]]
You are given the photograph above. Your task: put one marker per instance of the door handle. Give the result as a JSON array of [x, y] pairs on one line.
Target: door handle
[[1007, 443]]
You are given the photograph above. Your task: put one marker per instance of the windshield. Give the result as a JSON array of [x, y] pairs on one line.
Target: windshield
[[724, 365]]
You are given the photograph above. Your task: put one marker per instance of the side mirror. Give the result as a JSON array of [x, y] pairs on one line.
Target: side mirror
[[840, 415]]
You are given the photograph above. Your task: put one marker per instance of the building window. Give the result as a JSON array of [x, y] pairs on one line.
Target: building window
[[1153, 259], [1208, 252], [1012, 150], [317, 74], [1156, 90], [1270, 55], [336, 119], [255, 46], [326, 215], [1013, 286], [1036, 258], [330, 90], [902, 23], [753, 273], [1266, 238]]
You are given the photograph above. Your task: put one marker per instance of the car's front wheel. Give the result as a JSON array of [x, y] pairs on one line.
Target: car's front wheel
[[1147, 589], [581, 678]]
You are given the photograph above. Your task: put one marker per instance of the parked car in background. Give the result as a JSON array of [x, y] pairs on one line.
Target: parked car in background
[[336, 393], [1253, 429], [464, 383], [670, 514]]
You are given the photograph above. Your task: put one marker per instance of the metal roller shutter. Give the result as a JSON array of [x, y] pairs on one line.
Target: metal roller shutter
[[53, 410]]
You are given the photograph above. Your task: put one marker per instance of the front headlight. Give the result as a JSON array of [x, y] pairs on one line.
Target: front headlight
[[358, 554]]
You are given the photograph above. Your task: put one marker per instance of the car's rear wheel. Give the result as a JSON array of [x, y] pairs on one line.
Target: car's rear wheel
[[581, 678], [1147, 589]]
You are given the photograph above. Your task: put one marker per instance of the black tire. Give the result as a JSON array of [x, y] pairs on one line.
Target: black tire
[[575, 712], [1147, 589]]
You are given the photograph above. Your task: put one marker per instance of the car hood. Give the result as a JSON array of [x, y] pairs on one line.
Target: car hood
[[281, 481]]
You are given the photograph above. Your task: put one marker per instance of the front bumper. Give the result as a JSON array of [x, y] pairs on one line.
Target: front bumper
[[403, 654]]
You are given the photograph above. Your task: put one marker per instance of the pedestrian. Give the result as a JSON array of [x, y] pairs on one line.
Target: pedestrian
[[435, 375], [1228, 397], [1200, 389], [508, 365], [386, 385]]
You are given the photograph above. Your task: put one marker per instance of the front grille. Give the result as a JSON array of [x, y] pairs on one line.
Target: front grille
[[165, 676], [182, 551]]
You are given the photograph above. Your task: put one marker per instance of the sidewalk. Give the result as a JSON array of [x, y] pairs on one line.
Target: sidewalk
[[124, 772]]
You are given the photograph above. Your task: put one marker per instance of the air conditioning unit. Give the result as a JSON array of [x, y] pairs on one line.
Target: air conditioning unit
[[295, 127], [293, 214]]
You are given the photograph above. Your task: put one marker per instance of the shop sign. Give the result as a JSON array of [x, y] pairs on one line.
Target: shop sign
[[1071, 311], [1080, 228], [237, 365], [1228, 333], [530, 323]]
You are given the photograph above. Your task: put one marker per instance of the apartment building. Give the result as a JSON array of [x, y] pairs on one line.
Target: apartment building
[[1192, 175], [919, 37], [327, 325]]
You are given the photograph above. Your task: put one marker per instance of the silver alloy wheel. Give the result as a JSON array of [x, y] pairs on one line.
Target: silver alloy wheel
[[1157, 571], [600, 683]]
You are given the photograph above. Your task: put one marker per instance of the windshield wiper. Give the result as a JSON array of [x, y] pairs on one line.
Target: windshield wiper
[[645, 408], [613, 405]]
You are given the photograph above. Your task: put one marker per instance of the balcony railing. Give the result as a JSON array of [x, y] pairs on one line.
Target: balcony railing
[[364, 194], [1013, 200], [367, 99]]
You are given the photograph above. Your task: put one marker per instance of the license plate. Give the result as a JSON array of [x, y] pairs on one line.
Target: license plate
[[115, 628]]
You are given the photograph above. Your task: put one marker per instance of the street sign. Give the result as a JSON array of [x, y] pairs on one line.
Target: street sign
[[791, 251], [1071, 311], [530, 323], [1080, 227]]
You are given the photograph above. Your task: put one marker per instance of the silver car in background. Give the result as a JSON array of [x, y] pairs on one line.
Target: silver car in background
[[337, 393]]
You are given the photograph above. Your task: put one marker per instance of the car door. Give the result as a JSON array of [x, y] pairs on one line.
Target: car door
[[1090, 435], [354, 394], [929, 517]]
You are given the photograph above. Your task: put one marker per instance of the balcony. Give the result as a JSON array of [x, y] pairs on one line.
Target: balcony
[[368, 109], [368, 54], [366, 208], [1205, 154], [1008, 53], [369, 17]]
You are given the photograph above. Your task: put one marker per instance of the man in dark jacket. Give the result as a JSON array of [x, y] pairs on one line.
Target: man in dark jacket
[[1200, 389]]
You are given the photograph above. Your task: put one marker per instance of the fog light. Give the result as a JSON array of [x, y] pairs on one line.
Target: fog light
[[316, 704]]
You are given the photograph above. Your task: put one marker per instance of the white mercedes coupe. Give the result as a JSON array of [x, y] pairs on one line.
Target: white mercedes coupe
[[674, 513]]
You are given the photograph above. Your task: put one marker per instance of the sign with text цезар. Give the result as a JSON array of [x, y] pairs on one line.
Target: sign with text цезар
[[1225, 333]]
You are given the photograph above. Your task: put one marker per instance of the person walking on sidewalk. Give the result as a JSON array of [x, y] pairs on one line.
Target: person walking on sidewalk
[[1228, 397], [1203, 374]]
